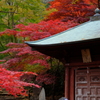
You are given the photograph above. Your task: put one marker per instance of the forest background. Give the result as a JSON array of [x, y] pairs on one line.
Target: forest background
[[31, 20]]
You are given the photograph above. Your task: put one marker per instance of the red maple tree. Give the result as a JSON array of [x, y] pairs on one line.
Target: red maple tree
[[68, 15], [21, 57], [10, 80], [41, 30], [77, 10], [31, 32]]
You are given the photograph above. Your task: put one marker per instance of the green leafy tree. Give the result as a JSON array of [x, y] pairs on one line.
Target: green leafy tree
[[13, 12]]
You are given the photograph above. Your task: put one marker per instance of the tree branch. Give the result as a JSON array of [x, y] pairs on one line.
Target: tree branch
[[6, 12]]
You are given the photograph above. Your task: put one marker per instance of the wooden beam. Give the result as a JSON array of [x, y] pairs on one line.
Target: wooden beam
[[86, 56], [67, 82], [72, 82], [82, 64]]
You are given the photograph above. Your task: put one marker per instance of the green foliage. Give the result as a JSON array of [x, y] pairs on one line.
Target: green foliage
[[3, 41], [13, 12], [37, 68]]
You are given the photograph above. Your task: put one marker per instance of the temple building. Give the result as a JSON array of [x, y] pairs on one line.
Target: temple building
[[79, 50]]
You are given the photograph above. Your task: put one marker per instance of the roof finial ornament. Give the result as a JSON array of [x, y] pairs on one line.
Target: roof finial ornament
[[97, 15], [97, 11]]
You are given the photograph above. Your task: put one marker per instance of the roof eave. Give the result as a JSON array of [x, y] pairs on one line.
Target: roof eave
[[65, 43]]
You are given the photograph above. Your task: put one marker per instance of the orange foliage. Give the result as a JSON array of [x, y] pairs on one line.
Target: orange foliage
[[77, 10]]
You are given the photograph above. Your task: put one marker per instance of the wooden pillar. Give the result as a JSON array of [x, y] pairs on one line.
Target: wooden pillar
[[72, 86], [67, 83]]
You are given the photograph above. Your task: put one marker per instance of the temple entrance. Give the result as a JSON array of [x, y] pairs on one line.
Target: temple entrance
[[87, 83]]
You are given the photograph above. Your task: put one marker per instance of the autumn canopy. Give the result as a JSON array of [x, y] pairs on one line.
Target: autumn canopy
[[19, 59]]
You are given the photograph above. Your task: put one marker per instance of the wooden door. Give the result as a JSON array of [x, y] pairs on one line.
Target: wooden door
[[87, 84]]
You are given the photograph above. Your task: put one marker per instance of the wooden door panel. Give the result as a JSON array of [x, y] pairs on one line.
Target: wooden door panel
[[92, 98], [85, 98], [81, 91], [95, 78], [78, 98], [98, 98], [81, 98], [92, 91], [82, 84], [84, 91], [98, 91], [87, 84]]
